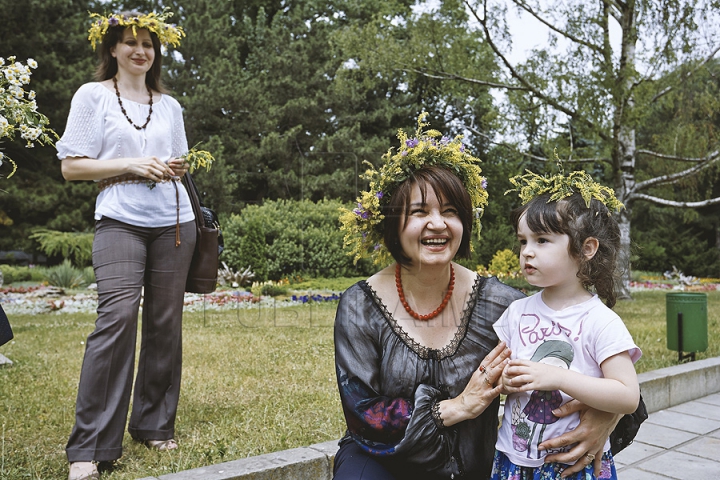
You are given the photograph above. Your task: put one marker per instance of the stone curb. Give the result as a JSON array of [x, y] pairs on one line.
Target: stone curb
[[661, 389], [667, 387]]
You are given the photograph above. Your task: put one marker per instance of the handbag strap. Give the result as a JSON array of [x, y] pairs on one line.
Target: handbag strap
[[194, 200], [177, 212]]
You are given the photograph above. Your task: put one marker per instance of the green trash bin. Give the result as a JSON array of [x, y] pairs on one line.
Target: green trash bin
[[689, 310]]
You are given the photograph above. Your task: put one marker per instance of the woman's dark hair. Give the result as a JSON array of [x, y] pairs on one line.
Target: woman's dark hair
[[447, 187], [107, 67], [572, 217]]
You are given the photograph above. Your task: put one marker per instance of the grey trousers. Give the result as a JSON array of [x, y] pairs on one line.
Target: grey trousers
[[125, 259]]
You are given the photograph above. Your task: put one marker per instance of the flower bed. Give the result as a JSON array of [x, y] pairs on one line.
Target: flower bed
[[42, 300]]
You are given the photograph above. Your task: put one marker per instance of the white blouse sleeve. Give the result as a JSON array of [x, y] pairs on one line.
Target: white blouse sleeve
[[83, 135], [179, 138]]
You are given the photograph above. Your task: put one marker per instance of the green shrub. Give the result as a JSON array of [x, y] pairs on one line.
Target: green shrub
[[270, 288], [274, 290], [253, 251], [14, 274], [74, 246], [65, 275], [299, 238], [505, 262], [17, 274], [88, 275]]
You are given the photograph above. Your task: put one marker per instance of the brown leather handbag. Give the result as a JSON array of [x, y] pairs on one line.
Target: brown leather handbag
[[202, 277]]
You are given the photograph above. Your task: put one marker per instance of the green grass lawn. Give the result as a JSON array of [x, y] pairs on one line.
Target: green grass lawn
[[254, 381]]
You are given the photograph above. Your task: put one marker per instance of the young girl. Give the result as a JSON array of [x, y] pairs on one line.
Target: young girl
[[566, 343]]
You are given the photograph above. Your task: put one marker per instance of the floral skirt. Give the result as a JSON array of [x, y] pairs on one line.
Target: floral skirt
[[504, 469]]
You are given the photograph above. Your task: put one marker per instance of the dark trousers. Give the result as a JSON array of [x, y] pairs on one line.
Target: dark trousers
[[353, 463], [127, 258]]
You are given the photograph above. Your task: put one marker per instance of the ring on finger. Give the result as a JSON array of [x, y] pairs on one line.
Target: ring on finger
[[482, 369], [590, 457], [487, 381]]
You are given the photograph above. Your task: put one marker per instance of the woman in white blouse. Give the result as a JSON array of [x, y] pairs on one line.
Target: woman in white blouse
[[126, 133]]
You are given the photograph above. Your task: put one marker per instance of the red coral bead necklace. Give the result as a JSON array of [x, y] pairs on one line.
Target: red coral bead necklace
[[434, 313]]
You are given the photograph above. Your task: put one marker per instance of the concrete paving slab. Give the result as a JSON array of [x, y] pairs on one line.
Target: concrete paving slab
[[660, 436], [683, 421], [698, 409], [636, 452], [713, 399], [680, 466], [637, 474], [706, 447]]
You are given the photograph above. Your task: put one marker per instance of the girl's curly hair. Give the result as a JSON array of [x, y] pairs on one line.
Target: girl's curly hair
[[572, 217]]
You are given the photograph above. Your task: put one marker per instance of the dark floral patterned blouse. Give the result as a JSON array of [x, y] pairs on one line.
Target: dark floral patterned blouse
[[389, 383]]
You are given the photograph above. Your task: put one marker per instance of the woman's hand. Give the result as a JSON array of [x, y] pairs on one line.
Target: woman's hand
[[589, 436], [151, 168], [480, 391], [179, 166]]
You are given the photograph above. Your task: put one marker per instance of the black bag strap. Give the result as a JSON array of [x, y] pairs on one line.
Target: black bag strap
[[194, 200]]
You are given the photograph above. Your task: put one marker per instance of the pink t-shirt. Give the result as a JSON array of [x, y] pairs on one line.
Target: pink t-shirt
[[580, 338]]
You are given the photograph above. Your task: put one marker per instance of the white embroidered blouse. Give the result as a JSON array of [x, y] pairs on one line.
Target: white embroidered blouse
[[96, 128]]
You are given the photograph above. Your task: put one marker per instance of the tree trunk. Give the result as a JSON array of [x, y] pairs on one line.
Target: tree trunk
[[624, 255], [624, 151]]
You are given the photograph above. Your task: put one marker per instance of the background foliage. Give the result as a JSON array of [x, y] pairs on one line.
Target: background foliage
[[292, 97], [289, 238]]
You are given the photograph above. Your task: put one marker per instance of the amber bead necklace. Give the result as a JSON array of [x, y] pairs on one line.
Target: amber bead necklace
[[434, 313], [117, 92]]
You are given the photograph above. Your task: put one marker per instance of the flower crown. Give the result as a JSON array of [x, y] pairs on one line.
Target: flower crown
[[364, 225], [560, 186], [168, 33]]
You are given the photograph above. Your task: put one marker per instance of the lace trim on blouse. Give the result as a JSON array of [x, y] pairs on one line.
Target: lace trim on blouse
[[422, 351]]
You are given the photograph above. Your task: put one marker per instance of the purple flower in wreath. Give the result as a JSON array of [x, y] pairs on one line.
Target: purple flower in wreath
[[412, 142], [379, 194], [377, 246], [484, 183], [113, 22], [361, 212], [444, 140], [462, 147]]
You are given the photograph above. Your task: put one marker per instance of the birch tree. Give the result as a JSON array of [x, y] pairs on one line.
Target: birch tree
[[604, 68], [605, 89]]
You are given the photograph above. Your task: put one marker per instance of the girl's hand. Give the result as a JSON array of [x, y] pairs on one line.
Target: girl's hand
[[524, 375], [150, 167], [480, 391], [589, 438], [179, 166]]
